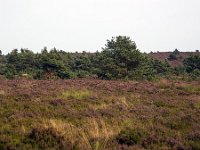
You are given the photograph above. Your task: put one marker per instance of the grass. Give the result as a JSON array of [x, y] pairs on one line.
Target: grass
[[97, 115], [94, 134], [76, 94], [191, 89]]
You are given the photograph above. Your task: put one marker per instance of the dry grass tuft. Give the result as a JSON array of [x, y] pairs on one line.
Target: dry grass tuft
[[93, 134], [2, 92]]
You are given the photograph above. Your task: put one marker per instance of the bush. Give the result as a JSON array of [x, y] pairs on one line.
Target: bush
[[194, 140], [172, 56], [46, 138], [64, 74], [195, 145], [195, 74], [179, 70], [130, 136], [192, 63]]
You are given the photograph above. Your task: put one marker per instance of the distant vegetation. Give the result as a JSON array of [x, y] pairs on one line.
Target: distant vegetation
[[174, 55], [120, 59]]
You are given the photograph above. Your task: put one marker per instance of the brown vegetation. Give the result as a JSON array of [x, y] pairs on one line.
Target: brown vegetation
[[96, 114]]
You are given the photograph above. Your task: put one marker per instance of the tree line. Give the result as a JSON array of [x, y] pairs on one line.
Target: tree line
[[119, 59]]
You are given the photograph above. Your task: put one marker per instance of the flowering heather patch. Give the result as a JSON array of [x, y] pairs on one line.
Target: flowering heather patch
[[97, 114]]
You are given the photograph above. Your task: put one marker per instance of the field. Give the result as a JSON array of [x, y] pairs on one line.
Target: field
[[97, 114]]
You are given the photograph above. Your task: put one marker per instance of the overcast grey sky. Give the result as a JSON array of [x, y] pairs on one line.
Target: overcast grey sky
[[77, 25]]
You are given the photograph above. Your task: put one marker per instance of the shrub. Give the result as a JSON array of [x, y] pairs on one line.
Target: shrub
[[130, 136], [179, 70], [195, 145], [192, 63], [195, 74], [174, 55], [47, 138], [194, 140]]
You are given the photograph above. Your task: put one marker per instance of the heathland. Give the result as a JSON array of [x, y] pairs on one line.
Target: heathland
[[99, 114], [119, 98]]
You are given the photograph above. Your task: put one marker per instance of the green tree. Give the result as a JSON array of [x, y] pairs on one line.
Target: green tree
[[120, 58], [52, 65], [22, 62], [192, 63], [174, 55]]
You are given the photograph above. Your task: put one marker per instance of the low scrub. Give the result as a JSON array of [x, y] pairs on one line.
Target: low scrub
[[130, 136], [97, 114]]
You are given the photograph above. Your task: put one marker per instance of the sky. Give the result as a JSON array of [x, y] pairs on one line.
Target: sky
[[85, 25]]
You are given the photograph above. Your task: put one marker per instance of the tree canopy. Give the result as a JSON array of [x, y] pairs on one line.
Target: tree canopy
[[119, 59]]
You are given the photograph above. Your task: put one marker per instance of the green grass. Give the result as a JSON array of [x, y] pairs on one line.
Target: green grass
[[76, 94]]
